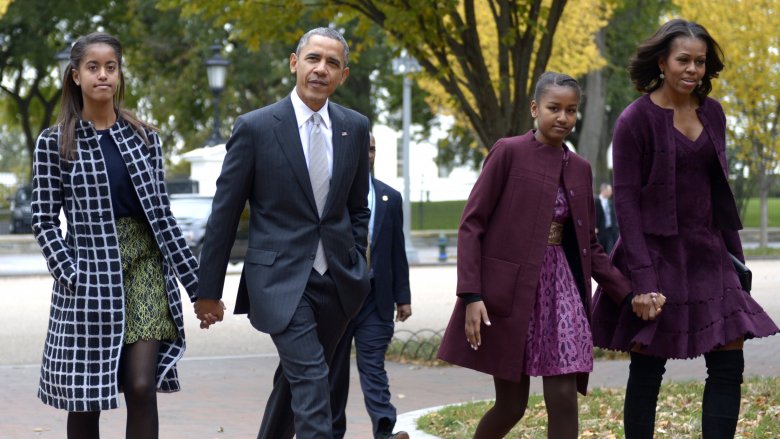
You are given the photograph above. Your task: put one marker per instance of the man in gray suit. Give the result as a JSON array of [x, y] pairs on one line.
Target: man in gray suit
[[302, 163]]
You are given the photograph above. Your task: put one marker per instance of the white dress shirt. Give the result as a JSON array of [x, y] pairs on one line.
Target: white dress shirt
[[303, 117]]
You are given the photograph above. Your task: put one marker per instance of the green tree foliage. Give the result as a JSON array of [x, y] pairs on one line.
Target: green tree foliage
[[31, 32], [164, 67], [484, 55]]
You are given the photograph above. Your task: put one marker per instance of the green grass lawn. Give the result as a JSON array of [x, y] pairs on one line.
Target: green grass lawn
[[751, 218], [445, 215], [437, 215], [678, 416]]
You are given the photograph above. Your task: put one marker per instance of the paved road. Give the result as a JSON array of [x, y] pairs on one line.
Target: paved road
[[236, 363]]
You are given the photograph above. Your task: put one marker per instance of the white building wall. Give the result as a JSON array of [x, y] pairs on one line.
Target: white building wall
[[425, 183]]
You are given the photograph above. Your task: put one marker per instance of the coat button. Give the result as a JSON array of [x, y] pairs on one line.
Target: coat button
[[571, 192], [311, 257], [579, 223], [585, 252]]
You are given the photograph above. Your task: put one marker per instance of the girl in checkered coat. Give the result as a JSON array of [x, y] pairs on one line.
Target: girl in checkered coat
[[116, 314]]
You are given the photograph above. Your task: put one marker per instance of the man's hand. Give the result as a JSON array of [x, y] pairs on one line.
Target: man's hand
[[402, 312], [209, 311]]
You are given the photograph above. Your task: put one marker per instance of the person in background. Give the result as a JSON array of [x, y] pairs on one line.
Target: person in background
[[372, 329], [526, 252], [678, 224], [302, 163], [116, 314], [606, 221]]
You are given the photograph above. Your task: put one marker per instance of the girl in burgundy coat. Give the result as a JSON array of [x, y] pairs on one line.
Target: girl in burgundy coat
[[527, 249], [678, 223]]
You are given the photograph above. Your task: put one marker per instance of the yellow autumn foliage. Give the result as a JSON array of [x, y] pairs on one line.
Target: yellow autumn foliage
[[574, 49], [748, 31], [4, 6]]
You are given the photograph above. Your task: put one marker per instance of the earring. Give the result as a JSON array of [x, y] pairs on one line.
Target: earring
[[661, 76], [700, 82]]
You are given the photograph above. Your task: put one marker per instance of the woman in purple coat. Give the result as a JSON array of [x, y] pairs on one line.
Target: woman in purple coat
[[678, 224], [527, 249]]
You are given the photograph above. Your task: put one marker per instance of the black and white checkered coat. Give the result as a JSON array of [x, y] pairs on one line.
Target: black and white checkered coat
[[87, 319]]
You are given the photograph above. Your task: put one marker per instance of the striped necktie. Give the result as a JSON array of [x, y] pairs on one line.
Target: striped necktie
[[320, 180]]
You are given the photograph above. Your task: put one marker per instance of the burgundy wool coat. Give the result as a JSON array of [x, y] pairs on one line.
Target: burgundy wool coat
[[501, 243]]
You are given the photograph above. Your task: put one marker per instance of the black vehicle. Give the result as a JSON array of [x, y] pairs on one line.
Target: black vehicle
[[192, 213], [21, 212]]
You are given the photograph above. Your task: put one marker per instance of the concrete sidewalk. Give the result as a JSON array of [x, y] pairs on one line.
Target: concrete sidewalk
[[223, 397], [227, 371]]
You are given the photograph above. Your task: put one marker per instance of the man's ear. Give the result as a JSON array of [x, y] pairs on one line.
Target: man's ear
[[293, 63], [344, 75]]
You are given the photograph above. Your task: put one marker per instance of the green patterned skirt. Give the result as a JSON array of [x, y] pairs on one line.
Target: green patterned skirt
[[147, 312]]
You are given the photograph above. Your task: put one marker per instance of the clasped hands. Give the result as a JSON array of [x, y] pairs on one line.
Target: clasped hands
[[648, 306], [209, 311]]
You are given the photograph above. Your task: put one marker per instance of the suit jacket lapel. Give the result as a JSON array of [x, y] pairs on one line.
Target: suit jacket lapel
[[286, 131], [340, 150], [380, 206]]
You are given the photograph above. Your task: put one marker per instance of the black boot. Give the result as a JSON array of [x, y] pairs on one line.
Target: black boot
[[722, 393], [644, 383]]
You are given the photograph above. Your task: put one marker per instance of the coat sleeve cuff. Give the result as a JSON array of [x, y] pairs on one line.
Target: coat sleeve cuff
[[644, 280], [469, 298]]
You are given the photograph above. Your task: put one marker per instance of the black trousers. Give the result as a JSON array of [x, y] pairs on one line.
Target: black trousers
[[300, 400]]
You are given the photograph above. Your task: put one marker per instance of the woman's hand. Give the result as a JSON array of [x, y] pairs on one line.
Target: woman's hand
[[476, 314], [648, 306]]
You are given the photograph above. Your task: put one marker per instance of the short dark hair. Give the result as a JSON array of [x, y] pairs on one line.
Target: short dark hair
[[326, 32], [643, 66], [550, 79]]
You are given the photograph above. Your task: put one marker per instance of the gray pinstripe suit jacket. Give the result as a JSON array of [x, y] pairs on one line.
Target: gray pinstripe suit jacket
[[265, 164], [86, 321]]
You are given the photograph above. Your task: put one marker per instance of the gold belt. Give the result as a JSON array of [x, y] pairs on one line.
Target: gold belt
[[556, 234]]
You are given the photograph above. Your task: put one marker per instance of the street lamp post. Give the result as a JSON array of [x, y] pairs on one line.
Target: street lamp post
[[406, 65], [216, 69], [63, 62]]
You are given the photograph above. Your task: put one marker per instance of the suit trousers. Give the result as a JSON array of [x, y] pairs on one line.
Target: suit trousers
[[372, 336], [299, 403]]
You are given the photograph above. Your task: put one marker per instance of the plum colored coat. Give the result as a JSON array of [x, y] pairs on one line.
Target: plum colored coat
[[501, 244]]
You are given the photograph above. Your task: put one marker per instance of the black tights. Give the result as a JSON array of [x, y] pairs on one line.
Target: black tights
[[137, 374], [560, 398], [720, 404]]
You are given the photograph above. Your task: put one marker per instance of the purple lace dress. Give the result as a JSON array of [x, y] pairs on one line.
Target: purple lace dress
[[559, 337]]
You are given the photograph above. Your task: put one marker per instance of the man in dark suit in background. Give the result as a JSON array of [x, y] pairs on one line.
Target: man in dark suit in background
[[606, 221], [302, 163], [373, 327]]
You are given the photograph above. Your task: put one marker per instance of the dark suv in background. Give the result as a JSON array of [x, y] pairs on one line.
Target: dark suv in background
[[21, 213]]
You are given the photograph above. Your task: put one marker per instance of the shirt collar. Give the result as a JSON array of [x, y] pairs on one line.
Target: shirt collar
[[303, 112]]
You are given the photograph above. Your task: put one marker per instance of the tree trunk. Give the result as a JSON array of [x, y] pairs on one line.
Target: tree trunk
[[593, 143], [763, 191]]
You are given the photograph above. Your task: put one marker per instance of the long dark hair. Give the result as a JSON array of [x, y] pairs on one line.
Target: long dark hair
[[72, 102], [643, 66]]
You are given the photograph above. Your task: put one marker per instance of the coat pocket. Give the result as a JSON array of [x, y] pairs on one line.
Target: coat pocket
[[499, 279], [260, 257]]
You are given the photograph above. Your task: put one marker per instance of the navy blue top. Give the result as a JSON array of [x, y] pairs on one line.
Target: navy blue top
[[124, 200]]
